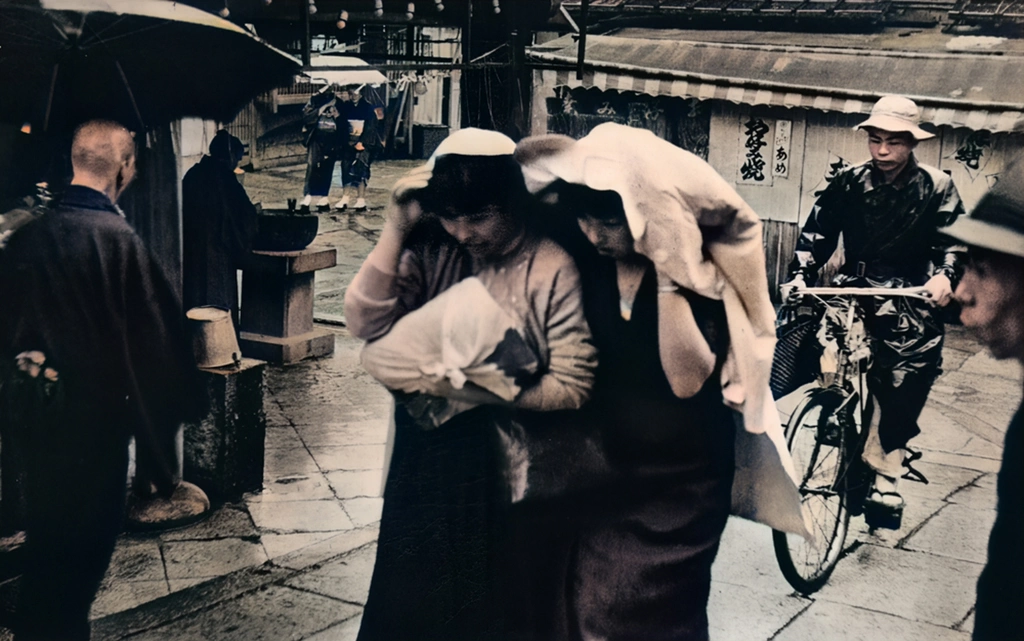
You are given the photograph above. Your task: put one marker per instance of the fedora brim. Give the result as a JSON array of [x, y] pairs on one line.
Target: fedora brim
[[892, 123], [986, 235]]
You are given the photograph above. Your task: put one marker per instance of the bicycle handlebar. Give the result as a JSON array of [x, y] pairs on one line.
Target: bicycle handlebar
[[910, 292]]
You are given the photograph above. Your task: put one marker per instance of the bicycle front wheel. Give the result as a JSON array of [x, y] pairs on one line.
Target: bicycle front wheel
[[818, 441]]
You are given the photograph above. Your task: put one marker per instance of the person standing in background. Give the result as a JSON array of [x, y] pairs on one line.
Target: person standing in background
[[219, 223]]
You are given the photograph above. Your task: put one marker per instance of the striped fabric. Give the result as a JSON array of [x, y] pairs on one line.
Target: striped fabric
[[749, 93]]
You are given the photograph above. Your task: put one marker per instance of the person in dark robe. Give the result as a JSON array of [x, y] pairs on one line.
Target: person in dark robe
[[93, 352], [219, 223]]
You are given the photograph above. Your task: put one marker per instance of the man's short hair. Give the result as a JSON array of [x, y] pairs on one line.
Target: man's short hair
[[101, 147]]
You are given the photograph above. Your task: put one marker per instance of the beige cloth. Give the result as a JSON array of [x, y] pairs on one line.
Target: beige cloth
[[671, 199], [699, 232]]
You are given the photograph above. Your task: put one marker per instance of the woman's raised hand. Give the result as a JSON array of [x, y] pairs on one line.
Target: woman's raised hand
[[405, 209]]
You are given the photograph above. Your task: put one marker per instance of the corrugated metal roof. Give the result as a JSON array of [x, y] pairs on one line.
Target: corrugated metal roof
[[974, 90]]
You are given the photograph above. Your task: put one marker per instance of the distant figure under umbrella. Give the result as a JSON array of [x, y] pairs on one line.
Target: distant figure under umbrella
[[218, 227], [92, 352]]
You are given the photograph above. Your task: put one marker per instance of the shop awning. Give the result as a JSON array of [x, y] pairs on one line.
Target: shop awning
[[978, 91], [344, 70]]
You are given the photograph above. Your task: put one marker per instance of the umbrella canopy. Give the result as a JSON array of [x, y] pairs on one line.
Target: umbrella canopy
[[344, 70], [141, 62]]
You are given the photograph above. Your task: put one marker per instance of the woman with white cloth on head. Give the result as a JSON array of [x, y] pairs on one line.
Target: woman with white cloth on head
[[457, 238], [675, 292]]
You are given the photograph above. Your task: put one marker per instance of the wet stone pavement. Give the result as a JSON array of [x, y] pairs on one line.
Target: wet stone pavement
[[294, 561]]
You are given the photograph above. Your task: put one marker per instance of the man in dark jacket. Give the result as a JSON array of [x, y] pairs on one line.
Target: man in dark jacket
[[219, 222], [93, 352], [888, 211], [992, 298]]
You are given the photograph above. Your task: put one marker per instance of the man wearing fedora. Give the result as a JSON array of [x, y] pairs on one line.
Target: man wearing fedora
[[888, 211], [991, 294]]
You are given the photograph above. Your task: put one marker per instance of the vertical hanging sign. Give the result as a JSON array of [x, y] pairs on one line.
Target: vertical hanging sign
[[780, 150], [752, 170]]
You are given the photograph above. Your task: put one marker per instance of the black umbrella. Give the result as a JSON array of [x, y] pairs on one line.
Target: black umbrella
[[141, 62]]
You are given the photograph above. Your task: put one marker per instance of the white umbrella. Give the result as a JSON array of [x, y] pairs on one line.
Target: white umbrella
[[344, 70]]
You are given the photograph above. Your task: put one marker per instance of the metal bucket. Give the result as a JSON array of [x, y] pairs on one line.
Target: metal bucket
[[213, 337]]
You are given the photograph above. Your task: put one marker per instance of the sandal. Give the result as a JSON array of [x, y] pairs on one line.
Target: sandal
[[884, 510]]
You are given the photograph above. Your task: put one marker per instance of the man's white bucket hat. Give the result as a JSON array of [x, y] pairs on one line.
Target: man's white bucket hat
[[896, 113]]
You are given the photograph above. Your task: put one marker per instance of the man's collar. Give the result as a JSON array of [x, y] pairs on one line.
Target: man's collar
[[81, 197]]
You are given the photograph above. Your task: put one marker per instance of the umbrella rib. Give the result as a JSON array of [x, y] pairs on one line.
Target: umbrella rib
[[131, 96], [49, 99]]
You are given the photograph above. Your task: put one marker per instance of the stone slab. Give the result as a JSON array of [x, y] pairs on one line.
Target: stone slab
[[738, 613], [217, 557], [837, 622], [911, 585], [274, 614], [284, 351], [346, 578], [310, 259], [300, 516], [330, 548], [957, 531]]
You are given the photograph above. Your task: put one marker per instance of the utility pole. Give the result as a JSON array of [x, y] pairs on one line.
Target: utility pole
[[582, 51]]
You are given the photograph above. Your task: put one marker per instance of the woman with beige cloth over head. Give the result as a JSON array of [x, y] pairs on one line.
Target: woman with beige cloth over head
[[675, 292]]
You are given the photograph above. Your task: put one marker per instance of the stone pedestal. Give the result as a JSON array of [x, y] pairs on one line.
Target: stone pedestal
[[277, 305], [223, 454]]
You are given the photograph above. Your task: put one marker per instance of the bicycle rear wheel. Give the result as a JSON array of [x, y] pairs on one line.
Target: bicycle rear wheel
[[818, 441]]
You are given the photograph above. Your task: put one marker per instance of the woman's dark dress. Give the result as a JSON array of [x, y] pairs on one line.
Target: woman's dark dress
[[643, 569], [445, 512]]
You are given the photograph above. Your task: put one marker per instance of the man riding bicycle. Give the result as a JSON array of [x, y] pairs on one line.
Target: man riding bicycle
[[888, 211]]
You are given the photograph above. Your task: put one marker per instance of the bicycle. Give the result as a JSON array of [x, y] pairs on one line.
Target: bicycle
[[825, 435]]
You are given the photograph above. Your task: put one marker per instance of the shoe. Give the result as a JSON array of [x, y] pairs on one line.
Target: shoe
[[325, 203], [306, 202], [883, 509], [342, 204], [360, 204]]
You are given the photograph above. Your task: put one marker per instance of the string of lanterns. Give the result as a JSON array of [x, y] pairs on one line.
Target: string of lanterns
[[378, 10]]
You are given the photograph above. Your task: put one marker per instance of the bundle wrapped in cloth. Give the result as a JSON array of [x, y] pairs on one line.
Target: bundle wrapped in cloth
[[463, 336]]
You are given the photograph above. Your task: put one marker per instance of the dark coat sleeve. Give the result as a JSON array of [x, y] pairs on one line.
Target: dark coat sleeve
[[164, 387], [820, 235]]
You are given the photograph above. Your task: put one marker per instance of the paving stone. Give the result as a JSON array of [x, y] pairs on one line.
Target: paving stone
[[363, 511], [286, 463], [358, 483], [977, 495], [124, 595], [349, 457], [346, 578], [177, 585], [274, 614], [837, 622], [345, 631], [282, 438], [738, 613], [303, 412], [285, 487], [347, 433], [299, 516], [225, 521], [958, 531], [278, 545], [912, 585], [746, 558], [943, 433], [135, 560], [328, 549], [983, 364], [943, 480], [195, 559]]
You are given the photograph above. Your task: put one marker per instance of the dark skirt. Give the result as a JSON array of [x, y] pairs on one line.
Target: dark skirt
[[645, 574], [441, 550]]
